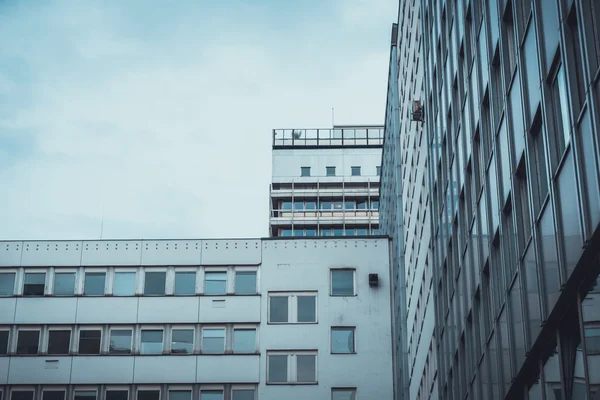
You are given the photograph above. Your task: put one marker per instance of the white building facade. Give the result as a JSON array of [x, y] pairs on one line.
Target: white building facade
[[243, 319], [325, 181]]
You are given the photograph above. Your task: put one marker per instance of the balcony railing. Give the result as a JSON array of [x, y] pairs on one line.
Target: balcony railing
[[355, 136]]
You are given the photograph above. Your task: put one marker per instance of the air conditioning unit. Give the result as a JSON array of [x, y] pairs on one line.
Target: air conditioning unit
[[417, 111]]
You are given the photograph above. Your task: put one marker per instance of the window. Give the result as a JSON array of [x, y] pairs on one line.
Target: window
[[304, 171], [148, 394], [152, 341], [59, 341], [84, 395], [355, 171], [28, 342], [185, 283], [305, 371], [3, 342], [242, 394], [378, 170], [34, 284], [343, 394], [120, 341], [244, 340], [560, 110], [180, 395], [245, 282], [21, 395], [182, 341], [330, 171], [592, 340], [213, 340], [215, 282], [211, 395], [374, 204], [342, 282], [292, 308], [7, 284], [117, 395], [124, 284], [154, 284], [342, 340], [94, 283], [64, 284], [89, 341], [53, 395]]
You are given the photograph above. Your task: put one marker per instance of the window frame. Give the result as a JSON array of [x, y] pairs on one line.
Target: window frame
[[182, 328], [188, 270], [329, 169], [86, 388], [292, 306], [147, 270], [139, 341], [116, 388], [237, 327], [28, 388], [341, 328], [89, 328], [60, 388], [355, 168], [335, 388], [354, 283], [303, 170], [113, 278], [211, 388], [63, 271], [52, 328], [36, 328], [292, 366], [245, 269], [95, 271], [6, 271], [113, 328], [29, 271], [9, 337], [180, 388], [213, 328], [235, 387], [210, 270], [148, 388]]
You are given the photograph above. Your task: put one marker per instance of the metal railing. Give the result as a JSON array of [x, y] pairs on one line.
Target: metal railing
[[367, 136]]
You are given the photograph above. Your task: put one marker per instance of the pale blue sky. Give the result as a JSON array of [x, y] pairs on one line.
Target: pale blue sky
[[160, 112]]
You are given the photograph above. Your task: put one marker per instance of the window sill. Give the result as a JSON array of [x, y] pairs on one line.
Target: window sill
[[343, 354], [293, 323], [291, 383]]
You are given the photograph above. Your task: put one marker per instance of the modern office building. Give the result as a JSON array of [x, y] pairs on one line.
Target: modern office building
[[512, 200], [248, 319], [404, 212], [325, 181]]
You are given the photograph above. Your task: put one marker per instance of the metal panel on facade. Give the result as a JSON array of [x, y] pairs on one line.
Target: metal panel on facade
[[167, 309], [10, 254], [227, 252], [239, 369], [171, 252], [111, 252], [7, 310], [230, 309], [105, 310], [40, 370], [166, 369], [51, 254], [115, 369], [45, 310]]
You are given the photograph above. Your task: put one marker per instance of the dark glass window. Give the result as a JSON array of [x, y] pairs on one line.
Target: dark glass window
[[342, 282], [245, 282], [213, 341], [182, 341], [342, 340], [306, 368], [211, 395], [84, 395], [152, 341], [117, 394], [94, 283], [277, 369], [89, 341], [28, 342], [7, 283], [215, 282], [330, 171], [34, 284], [278, 309], [155, 283], [148, 394], [120, 341], [21, 395], [180, 395], [3, 342], [64, 284], [378, 170], [304, 171], [185, 283], [53, 395], [355, 171], [307, 310], [59, 342], [325, 205], [242, 394]]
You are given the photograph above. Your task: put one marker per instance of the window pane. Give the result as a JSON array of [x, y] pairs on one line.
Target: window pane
[[278, 309], [182, 341], [148, 395], [330, 171], [213, 341], [185, 282], [355, 171], [342, 282], [152, 341], [117, 395], [64, 284], [211, 395], [124, 284], [306, 368], [7, 284], [89, 341], [245, 282], [180, 395], [22, 395], [28, 342], [342, 340], [242, 394], [592, 340], [84, 395], [3, 342], [59, 342], [94, 283], [120, 341], [155, 283], [304, 171], [34, 284], [53, 395], [343, 394], [307, 310], [244, 340], [277, 369], [215, 283]]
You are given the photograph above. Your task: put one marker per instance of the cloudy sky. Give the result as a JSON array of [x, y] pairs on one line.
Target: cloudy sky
[[158, 114]]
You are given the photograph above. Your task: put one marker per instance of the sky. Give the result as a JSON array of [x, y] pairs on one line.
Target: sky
[[153, 119]]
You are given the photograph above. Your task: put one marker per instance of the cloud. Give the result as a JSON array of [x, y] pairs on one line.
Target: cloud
[[157, 120]]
